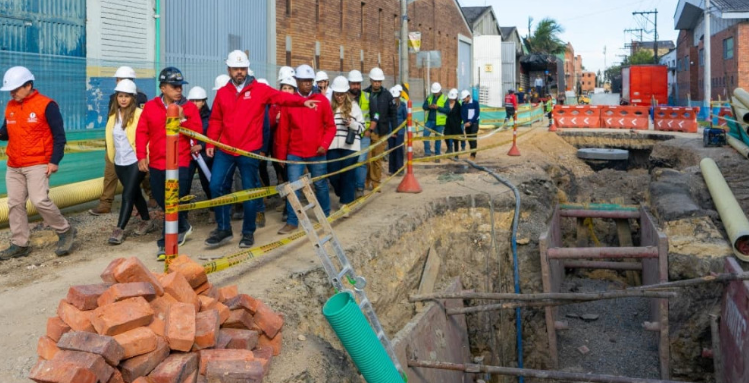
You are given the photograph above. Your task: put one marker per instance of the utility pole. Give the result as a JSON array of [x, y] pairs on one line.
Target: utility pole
[[655, 30], [404, 42], [706, 56], [604, 58], [635, 30]]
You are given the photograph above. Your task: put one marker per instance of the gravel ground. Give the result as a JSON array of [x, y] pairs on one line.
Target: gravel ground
[[617, 342]]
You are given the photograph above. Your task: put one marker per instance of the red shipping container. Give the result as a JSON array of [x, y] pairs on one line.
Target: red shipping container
[[645, 82]]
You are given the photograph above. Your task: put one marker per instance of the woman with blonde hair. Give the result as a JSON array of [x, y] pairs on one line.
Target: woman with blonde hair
[[120, 142], [349, 122]]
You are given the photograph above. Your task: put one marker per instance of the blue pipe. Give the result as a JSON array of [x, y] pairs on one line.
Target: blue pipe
[[516, 269]]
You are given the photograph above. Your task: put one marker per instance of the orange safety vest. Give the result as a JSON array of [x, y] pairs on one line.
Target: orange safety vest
[[29, 135]]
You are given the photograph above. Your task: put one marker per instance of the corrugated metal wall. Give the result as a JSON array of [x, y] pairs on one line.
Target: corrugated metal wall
[[199, 34], [509, 62], [123, 23]]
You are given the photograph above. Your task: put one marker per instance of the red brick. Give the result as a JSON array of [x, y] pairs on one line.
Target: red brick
[[77, 320], [268, 321], [92, 362], [240, 339], [202, 379], [230, 371], [122, 316], [177, 286], [175, 368], [207, 356], [94, 343], [157, 326], [108, 274], [56, 327], [223, 339], [275, 343], [46, 348], [120, 291], [137, 341], [193, 272], [206, 329], [227, 292], [212, 292], [208, 303], [180, 326], [133, 270], [192, 378], [142, 365], [143, 379], [239, 318], [244, 301], [116, 377], [84, 297], [51, 371], [264, 355], [161, 305], [203, 288]]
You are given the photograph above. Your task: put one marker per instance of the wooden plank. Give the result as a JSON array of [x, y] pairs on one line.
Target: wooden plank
[[429, 276], [624, 232]]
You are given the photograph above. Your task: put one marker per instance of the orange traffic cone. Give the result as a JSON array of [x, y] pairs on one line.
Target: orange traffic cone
[[553, 126], [514, 151]]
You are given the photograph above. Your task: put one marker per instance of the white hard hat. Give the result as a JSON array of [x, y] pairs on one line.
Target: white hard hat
[[15, 77], [197, 93], [237, 59], [452, 94], [124, 72], [220, 81], [285, 71], [339, 85], [395, 92], [355, 76], [126, 86], [304, 72], [399, 87], [436, 87], [464, 94], [263, 81], [321, 76], [376, 74], [289, 81]]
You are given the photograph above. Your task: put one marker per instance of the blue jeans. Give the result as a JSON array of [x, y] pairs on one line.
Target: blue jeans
[[295, 172], [157, 180], [343, 183], [361, 171], [221, 180], [438, 143]]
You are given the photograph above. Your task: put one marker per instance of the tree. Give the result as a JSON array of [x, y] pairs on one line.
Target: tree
[[642, 56], [545, 39], [612, 72]]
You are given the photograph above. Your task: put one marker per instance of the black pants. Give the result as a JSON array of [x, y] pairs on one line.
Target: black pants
[[471, 133], [395, 162], [131, 177], [204, 181], [158, 178], [510, 113]]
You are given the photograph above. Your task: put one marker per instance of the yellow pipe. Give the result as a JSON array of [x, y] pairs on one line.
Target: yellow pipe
[[731, 214], [738, 145], [743, 97], [64, 196]]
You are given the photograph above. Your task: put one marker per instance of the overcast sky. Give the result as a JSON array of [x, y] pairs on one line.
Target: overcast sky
[[589, 24]]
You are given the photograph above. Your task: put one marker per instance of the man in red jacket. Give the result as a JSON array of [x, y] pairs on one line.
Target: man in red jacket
[[304, 135], [511, 105], [237, 119], [150, 143]]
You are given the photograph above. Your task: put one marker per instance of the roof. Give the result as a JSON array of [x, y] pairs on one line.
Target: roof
[[732, 5], [474, 13], [689, 13], [506, 31], [668, 44]]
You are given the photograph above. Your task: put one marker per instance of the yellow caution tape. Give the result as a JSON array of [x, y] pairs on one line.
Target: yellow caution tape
[[453, 154]]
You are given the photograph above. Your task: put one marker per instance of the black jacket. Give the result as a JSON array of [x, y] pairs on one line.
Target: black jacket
[[383, 109]]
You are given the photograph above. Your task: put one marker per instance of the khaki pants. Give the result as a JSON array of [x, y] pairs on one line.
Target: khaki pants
[[374, 168], [110, 185], [30, 183]]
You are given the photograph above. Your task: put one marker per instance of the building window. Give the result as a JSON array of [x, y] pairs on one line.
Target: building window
[[317, 11], [379, 25], [702, 57], [288, 7], [342, 12], [728, 48], [361, 21]]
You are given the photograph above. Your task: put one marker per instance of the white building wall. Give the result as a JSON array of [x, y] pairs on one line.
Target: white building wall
[[120, 30], [487, 59]]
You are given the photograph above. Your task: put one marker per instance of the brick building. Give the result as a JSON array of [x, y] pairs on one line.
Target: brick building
[[588, 81], [569, 67], [729, 59], [338, 35]]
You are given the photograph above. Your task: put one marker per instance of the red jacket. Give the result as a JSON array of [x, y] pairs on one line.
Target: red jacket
[[302, 131], [29, 135], [237, 117], [150, 136], [511, 101]]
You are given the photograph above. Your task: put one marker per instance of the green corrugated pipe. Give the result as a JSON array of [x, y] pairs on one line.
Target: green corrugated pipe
[[63, 196], [598, 206], [731, 214], [358, 338]]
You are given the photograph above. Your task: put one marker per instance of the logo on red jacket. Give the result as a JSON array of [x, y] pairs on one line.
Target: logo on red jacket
[[247, 95], [32, 117]]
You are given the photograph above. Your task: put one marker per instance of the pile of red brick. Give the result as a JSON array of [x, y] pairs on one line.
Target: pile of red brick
[[143, 327]]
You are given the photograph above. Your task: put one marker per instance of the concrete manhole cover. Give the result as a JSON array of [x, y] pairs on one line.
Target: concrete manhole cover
[[603, 154]]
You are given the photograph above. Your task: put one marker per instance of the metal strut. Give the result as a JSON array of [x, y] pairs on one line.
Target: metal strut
[[325, 241]]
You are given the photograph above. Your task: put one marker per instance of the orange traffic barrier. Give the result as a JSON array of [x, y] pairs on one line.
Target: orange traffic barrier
[[409, 184], [724, 112], [676, 119], [577, 116], [625, 117]]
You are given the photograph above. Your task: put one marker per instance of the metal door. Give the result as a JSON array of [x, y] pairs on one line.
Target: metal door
[[464, 65]]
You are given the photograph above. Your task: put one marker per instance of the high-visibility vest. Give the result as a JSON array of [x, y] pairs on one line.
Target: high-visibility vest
[[364, 106], [30, 136], [441, 101]]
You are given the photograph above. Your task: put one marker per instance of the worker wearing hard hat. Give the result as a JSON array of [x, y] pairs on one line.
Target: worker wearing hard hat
[[33, 127], [436, 111], [362, 99], [321, 83], [511, 105], [238, 119], [347, 141], [109, 186], [469, 113], [381, 114], [395, 160]]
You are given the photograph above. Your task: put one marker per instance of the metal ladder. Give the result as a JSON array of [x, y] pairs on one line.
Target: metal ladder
[[321, 235]]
